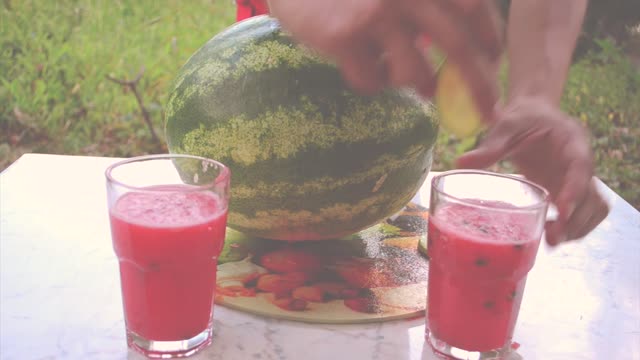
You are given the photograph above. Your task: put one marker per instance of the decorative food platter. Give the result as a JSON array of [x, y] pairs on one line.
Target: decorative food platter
[[378, 274]]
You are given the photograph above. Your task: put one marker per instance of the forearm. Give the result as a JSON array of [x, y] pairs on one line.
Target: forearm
[[541, 39]]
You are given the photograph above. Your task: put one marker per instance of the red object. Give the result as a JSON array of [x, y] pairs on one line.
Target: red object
[[167, 244], [291, 260], [478, 269], [249, 8]]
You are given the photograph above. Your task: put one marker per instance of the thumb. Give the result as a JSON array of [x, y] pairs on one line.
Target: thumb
[[493, 149]]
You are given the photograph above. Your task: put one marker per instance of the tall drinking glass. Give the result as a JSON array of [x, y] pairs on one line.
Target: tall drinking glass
[[168, 219], [484, 233]]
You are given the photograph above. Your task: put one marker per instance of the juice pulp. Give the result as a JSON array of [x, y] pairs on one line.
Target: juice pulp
[[477, 272], [167, 243]]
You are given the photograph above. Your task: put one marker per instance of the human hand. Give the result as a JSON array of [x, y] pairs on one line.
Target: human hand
[[377, 43], [551, 149]]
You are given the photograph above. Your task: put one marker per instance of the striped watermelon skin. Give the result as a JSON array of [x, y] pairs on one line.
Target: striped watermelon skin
[[309, 158]]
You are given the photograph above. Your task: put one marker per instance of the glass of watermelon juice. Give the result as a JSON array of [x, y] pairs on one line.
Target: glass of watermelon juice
[[168, 218], [484, 233]]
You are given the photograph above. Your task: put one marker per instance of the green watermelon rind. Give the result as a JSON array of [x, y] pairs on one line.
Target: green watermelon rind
[[309, 158]]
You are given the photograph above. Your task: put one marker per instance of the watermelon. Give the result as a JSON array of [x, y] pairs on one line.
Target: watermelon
[[310, 159]]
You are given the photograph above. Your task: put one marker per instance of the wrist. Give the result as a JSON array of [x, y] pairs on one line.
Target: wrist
[[533, 93], [534, 89], [541, 102]]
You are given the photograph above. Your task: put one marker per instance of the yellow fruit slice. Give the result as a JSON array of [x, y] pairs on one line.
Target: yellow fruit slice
[[458, 113], [422, 246]]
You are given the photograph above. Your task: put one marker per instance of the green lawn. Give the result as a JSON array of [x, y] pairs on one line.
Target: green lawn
[[55, 96], [55, 58]]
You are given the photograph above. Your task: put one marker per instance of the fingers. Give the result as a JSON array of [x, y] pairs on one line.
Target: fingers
[[576, 185], [577, 178], [426, 83], [363, 69], [405, 63], [586, 217], [445, 28], [555, 233], [495, 147], [483, 21], [482, 157], [468, 32]]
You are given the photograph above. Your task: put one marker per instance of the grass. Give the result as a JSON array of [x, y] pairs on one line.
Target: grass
[[55, 58], [603, 91], [55, 96]]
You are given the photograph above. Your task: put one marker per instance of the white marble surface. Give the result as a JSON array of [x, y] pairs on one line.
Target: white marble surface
[[60, 295]]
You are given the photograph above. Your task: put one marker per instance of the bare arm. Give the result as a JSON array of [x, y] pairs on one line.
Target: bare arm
[[546, 145], [542, 36]]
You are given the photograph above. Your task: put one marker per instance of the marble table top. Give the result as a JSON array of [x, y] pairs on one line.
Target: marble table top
[[60, 294]]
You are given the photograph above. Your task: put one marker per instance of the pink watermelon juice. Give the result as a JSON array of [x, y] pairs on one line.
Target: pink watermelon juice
[[167, 243], [479, 262]]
